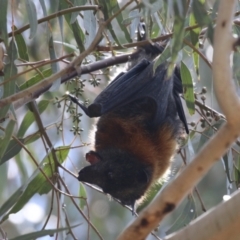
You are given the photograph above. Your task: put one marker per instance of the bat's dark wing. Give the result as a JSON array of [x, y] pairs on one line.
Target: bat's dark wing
[[138, 83]]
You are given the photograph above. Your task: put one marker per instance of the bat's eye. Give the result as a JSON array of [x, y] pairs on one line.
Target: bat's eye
[[110, 175]]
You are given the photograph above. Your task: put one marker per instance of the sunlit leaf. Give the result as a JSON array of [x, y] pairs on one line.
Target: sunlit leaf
[[82, 194], [200, 13], [178, 30], [188, 89], [194, 34]]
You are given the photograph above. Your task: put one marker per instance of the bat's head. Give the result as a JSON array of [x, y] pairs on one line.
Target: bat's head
[[118, 174]]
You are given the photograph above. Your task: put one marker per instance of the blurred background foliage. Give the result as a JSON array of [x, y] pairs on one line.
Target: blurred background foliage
[[39, 38]]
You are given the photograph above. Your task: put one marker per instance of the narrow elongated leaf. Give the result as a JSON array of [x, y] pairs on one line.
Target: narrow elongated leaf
[[3, 22], [76, 29], [60, 22], [42, 2], [9, 70], [22, 47], [32, 17], [178, 30], [194, 34], [163, 57], [78, 35], [107, 11], [90, 26], [200, 12], [74, 15], [36, 79], [115, 8], [82, 194], [188, 90], [4, 143]]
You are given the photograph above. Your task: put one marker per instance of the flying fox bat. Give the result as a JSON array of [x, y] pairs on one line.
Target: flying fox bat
[[141, 117]]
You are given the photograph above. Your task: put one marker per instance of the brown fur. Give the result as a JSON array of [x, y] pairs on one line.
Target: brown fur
[[156, 149]]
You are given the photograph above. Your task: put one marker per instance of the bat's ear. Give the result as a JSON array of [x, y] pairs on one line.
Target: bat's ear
[[92, 157]]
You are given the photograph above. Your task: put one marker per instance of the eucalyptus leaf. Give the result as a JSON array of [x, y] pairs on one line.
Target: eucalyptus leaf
[[4, 143], [188, 89], [32, 17]]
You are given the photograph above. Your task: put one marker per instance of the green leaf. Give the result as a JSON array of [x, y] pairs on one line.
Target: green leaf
[[178, 30], [115, 8], [90, 25], [3, 22], [21, 45], [40, 184], [82, 194], [4, 143], [12, 150], [32, 17], [200, 13], [42, 2], [76, 29], [78, 35], [71, 46], [42, 233], [35, 79], [194, 34], [74, 15], [29, 118], [166, 54], [188, 88], [107, 11], [9, 71]]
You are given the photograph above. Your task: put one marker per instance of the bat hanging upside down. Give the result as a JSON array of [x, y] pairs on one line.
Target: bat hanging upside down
[[141, 117]]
